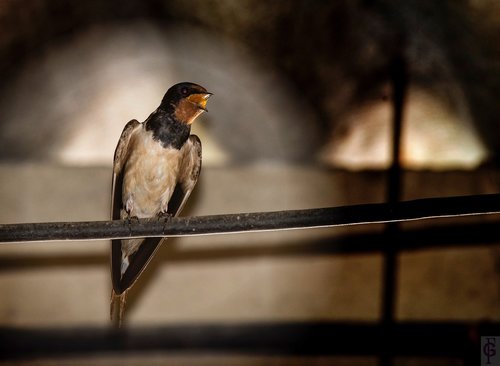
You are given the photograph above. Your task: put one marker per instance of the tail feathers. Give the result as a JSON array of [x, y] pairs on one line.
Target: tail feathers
[[126, 270], [117, 308]]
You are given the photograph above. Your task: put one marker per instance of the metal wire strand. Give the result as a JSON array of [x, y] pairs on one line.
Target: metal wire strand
[[254, 222]]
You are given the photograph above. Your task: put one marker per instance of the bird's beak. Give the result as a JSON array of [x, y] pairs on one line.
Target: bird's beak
[[200, 100]]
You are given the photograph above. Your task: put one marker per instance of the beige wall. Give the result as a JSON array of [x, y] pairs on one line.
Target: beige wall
[[236, 278]]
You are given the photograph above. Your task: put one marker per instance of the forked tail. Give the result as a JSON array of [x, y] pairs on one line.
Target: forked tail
[[117, 308]]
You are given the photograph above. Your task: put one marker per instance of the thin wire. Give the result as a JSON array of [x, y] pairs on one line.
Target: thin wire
[[254, 222]]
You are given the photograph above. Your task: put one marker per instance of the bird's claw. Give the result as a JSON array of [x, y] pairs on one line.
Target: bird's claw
[[164, 216], [132, 219]]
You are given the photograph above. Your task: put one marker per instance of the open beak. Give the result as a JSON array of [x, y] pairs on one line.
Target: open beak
[[200, 100]]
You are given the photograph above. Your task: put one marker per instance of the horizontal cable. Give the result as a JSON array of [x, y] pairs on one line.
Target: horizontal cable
[[254, 222], [442, 236]]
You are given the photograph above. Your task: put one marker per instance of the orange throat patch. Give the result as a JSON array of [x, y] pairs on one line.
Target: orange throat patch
[[186, 111]]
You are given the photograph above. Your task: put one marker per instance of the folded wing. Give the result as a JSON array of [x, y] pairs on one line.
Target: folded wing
[[188, 176]]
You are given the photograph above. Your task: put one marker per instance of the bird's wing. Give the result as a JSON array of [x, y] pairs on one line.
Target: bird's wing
[[188, 176], [121, 156]]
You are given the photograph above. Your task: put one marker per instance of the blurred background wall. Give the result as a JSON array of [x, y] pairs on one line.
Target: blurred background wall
[[319, 71], [301, 118]]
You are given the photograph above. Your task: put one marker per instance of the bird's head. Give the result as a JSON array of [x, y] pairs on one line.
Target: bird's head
[[185, 101]]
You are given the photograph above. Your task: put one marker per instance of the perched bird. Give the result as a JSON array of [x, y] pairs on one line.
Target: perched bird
[[156, 166]]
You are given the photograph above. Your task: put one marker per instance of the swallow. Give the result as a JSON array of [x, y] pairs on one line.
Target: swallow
[[156, 166]]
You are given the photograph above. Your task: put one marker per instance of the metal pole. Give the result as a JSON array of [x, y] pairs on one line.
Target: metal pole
[[394, 193]]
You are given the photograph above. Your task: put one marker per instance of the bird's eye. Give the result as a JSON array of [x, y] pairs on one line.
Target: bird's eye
[[184, 91]]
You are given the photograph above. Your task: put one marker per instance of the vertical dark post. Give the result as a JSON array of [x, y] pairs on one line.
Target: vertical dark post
[[399, 80]]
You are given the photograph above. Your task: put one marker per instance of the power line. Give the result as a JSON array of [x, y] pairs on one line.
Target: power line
[[254, 222]]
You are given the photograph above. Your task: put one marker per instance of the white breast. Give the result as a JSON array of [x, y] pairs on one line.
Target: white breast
[[150, 175]]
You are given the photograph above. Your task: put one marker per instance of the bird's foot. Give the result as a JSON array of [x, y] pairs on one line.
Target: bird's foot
[[163, 215], [132, 219]]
